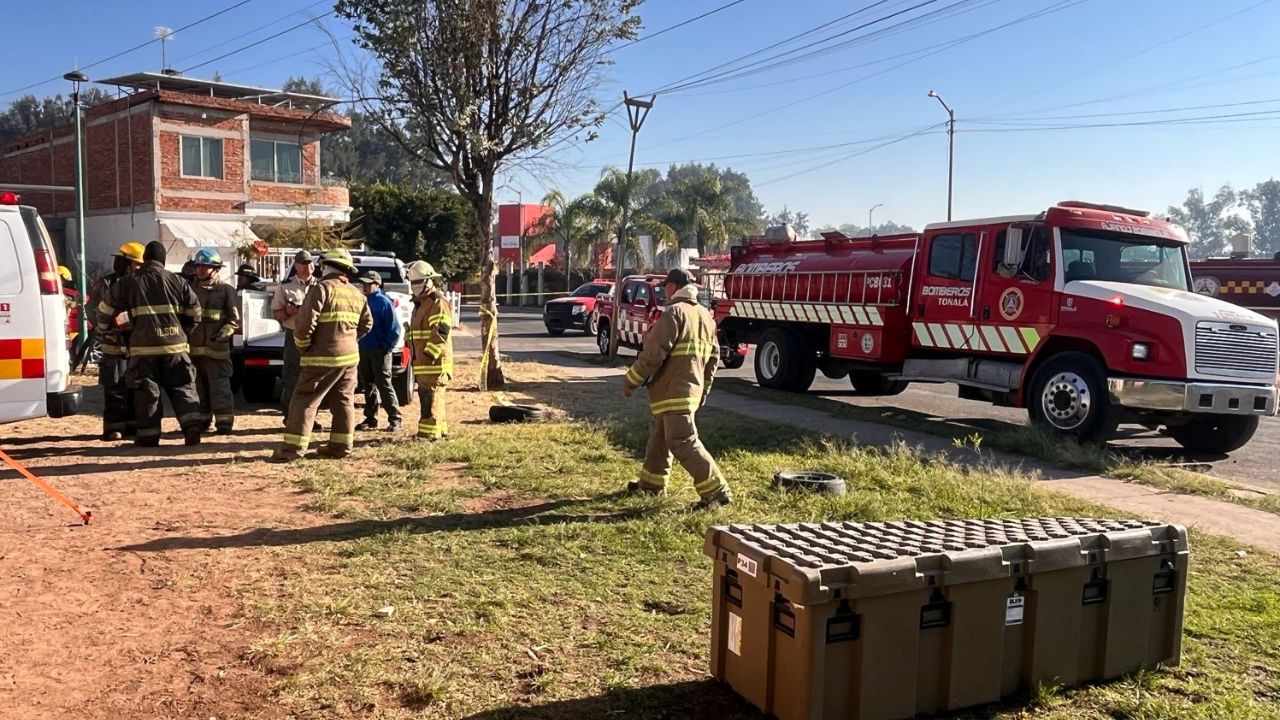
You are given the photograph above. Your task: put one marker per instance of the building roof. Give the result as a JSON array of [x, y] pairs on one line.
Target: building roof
[[218, 89]]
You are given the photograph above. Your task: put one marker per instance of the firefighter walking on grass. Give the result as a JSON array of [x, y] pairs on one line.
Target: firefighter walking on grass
[[113, 340], [162, 308], [432, 346], [211, 342], [677, 364], [332, 318]]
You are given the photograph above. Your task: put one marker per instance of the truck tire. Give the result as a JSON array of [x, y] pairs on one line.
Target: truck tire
[[602, 337], [873, 383], [1068, 397], [258, 387], [403, 385], [783, 361], [1215, 434], [590, 328]]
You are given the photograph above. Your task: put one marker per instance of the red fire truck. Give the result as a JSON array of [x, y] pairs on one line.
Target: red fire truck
[[1083, 314]]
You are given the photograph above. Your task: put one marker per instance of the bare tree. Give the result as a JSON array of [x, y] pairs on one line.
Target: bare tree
[[472, 85]]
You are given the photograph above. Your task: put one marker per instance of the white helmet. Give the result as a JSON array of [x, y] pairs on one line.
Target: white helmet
[[420, 270]]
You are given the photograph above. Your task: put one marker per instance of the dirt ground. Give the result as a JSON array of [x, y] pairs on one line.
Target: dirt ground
[[90, 630]]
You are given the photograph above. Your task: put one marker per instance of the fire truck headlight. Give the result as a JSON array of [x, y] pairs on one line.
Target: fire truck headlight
[[1141, 351]]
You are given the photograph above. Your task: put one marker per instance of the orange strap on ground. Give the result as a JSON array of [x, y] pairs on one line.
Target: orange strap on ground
[[86, 517]]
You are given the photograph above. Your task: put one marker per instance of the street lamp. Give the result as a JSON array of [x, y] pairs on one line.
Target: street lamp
[[951, 145], [637, 111], [76, 78], [870, 226]]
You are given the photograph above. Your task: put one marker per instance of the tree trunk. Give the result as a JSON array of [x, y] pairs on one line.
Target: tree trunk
[[491, 376]]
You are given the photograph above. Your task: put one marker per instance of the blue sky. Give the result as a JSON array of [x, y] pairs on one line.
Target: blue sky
[[1087, 58]]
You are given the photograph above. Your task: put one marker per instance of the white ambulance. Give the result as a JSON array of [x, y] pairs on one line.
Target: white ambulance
[[35, 367]]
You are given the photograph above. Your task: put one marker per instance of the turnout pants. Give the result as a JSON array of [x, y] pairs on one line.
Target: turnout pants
[[675, 433], [375, 382], [333, 388], [175, 375], [213, 384], [432, 424], [289, 371], [117, 406]]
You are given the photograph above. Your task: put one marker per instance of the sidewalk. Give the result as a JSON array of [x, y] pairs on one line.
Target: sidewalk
[[1250, 526]]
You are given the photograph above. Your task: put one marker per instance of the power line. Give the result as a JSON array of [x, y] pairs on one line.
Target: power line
[[259, 42], [850, 156], [1198, 120], [678, 25], [1044, 88], [247, 33], [122, 53], [1124, 113]]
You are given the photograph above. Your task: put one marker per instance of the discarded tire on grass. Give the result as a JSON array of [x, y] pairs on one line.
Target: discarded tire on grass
[[515, 413], [810, 481]]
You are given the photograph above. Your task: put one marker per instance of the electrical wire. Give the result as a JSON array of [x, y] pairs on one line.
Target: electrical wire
[[678, 25], [247, 33], [850, 156], [256, 43], [139, 46]]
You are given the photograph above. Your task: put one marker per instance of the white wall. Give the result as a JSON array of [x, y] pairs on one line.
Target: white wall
[[104, 234]]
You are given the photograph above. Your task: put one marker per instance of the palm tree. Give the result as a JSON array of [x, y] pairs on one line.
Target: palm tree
[[573, 222], [703, 214], [646, 210]]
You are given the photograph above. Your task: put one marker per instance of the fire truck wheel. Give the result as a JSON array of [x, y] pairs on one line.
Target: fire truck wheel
[[602, 337], [1068, 396], [782, 361], [873, 383], [1215, 434]]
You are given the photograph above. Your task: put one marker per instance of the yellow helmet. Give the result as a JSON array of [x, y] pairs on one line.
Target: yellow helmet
[[131, 250], [65, 273], [420, 270], [339, 258]]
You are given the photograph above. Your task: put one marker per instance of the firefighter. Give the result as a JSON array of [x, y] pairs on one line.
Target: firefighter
[[285, 304], [163, 309], [432, 348], [113, 340], [678, 364], [247, 278], [333, 317], [211, 342]]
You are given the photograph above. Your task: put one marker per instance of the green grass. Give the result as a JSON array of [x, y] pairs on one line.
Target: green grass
[[532, 589], [1023, 440]]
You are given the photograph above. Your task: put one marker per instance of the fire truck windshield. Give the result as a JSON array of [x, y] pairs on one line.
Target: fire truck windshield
[[1115, 257]]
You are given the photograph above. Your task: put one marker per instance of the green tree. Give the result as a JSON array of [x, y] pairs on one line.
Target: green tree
[[481, 84], [417, 223], [706, 209], [573, 223], [1210, 224], [1263, 204], [648, 207], [799, 221], [29, 114], [851, 230]]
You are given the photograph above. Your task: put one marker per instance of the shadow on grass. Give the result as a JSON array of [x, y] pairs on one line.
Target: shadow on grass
[[694, 699], [542, 513]]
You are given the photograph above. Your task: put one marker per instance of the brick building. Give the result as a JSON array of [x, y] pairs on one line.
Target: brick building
[[191, 163]]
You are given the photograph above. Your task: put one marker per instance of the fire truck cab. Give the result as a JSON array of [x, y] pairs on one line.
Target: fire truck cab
[[1083, 314]]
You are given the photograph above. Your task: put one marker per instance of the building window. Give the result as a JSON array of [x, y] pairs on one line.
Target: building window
[[273, 161], [201, 157]]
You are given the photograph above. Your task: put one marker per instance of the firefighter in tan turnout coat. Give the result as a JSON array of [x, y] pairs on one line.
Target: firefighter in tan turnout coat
[[333, 316], [677, 364], [432, 348]]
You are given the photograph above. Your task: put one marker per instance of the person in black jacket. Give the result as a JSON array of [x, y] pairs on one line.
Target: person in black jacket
[[163, 309]]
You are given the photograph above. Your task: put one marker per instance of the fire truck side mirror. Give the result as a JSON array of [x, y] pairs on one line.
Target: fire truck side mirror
[[1012, 252]]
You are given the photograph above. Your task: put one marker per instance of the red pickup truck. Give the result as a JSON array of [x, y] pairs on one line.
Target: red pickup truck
[[643, 302]]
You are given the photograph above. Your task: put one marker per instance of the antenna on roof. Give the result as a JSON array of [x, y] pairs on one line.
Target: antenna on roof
[[164, 35]]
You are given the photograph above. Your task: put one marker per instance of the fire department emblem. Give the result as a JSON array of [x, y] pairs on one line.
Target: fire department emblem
[[868, 343], [1206, 285], [1011, 304]]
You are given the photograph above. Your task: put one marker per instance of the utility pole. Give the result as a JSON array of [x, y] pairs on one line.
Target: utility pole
[[637, 111], [951, 146], [75, 77], [870, 226]]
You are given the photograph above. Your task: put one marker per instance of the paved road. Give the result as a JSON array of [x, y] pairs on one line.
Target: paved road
[[1255, 464]]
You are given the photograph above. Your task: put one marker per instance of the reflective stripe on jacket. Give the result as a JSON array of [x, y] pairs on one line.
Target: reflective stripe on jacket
[[430, 340], [680, 355], [113, 337], [333, 317], [220, 317], [161, 306]]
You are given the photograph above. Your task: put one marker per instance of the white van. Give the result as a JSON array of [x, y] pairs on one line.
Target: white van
[[35, 367]]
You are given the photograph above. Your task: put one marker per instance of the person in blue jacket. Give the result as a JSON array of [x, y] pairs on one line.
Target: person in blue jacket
[[375, 356]]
